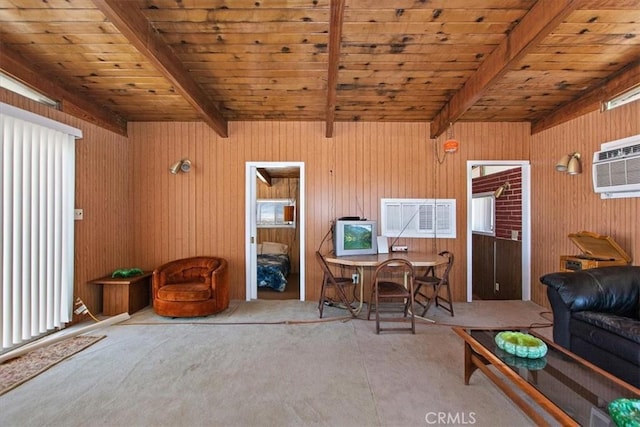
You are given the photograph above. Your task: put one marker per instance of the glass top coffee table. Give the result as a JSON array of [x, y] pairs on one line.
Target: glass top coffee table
[[560, 386]]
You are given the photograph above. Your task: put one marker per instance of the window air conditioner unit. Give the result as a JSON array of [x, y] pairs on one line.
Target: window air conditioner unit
[[616, 169]]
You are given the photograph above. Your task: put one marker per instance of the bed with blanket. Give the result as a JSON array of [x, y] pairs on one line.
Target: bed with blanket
[[273, 266]]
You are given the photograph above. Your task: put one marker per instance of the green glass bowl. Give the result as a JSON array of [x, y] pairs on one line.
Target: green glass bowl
[[124, 272], [521, 362], [625, 412], [521, 344]]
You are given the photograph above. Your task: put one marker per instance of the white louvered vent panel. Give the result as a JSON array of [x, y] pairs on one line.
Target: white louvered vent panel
[[418, 218], [426, 218]]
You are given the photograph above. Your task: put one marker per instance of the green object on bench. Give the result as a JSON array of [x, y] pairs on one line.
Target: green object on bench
[[124, 272]]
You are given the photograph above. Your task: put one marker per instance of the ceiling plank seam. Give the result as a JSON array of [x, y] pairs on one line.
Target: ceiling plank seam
[[70, 102], [541, 20], [135, 27], [592, 100]]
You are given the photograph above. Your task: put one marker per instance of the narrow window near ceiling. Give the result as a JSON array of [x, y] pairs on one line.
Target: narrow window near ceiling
[[37, 184]]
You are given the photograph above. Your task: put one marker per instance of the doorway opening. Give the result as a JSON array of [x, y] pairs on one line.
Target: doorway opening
[[486, 245], [274, 248]]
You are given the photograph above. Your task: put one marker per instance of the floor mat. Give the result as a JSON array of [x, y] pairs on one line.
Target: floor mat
[[21, 369]]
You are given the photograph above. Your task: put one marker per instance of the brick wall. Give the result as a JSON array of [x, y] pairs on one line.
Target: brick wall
[[509, 205]]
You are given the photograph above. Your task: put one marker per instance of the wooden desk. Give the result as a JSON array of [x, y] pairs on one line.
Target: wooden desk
[[124, 294], [417, 259]]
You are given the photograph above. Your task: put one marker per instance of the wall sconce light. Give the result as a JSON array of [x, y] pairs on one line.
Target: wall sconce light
[[183, 165], [570, 164], [450, 145], [500, 190]]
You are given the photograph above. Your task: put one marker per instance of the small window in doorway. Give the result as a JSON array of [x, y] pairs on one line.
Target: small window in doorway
[[271, 213], [483, 213]]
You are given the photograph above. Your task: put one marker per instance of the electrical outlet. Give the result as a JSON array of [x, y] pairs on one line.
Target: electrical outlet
[[356, 278], [78, 214], [497, 287]]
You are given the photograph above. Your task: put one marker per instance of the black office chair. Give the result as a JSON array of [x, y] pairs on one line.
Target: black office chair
[[338, 283], [428, 288], [387, 287]]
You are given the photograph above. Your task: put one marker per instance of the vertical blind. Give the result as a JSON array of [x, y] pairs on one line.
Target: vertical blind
[[37, 181]]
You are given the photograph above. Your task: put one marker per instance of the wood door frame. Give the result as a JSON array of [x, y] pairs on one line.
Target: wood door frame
[[251, 230], [525, 167]]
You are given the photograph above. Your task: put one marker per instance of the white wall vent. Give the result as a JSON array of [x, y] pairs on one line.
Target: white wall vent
[[418, 218], [616, 168]]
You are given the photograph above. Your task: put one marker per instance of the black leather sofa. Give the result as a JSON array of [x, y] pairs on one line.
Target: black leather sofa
[[596, 315]]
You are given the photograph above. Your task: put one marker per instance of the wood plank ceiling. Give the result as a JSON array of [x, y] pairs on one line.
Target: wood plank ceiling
[[441, 61]]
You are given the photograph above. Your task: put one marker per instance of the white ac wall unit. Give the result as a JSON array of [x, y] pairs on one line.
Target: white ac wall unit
[[616, 168]]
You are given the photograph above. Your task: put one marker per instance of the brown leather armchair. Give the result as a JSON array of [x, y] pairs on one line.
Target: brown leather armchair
[[191, 287]]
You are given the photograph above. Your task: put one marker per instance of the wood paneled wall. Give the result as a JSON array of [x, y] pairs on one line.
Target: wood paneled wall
[[564, 204], [103, 240], [138, 214], [282, 188], [203, 212]]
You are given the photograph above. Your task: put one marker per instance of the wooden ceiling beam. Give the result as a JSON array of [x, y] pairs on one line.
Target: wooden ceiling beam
[[544, 17], [71, 102], [264, 176], [136, 28], [335, 34], [592, 99]]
